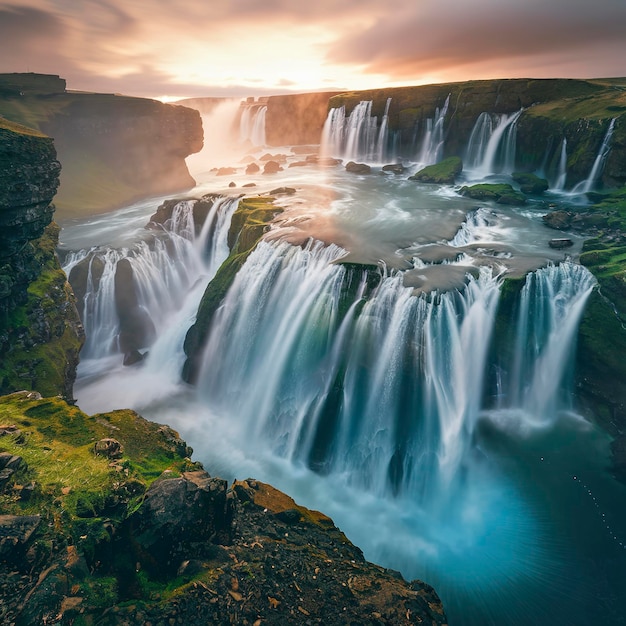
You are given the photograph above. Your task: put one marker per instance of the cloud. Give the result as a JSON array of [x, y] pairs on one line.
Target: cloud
[[433, 36], [190, 47]]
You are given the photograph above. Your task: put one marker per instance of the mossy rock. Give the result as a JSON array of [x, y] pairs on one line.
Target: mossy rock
[[442, 173], [249, 223], [501, 193], [530, 183]]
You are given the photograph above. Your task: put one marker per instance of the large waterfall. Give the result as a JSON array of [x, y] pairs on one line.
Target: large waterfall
[[423, 401], [252, 124], [491, 146]]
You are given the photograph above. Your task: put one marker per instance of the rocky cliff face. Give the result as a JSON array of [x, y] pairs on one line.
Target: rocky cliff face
[[40, 333], [133, 532], [577, 110], [113, 149]]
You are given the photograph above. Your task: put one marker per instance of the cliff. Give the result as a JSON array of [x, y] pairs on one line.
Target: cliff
[[107, 521], [554, 109], [40, 333], [113, 149]]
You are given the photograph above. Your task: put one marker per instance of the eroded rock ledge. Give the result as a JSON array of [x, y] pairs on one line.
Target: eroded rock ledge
[[137, 533]]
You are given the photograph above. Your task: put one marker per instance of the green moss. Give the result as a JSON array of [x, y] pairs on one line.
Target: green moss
[[44, 334], [249, 223], [442, 173], [56, 441], [501, 193]]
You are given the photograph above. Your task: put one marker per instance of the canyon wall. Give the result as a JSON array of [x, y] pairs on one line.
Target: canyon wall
[[40, 332], [114, 149]]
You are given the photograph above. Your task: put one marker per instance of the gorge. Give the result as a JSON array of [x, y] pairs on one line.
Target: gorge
[[422, 361]]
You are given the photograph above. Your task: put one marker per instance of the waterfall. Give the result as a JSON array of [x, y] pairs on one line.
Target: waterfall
[[561, 177], [357, 137], [476, 227], [252, 125], [598, 164], [374, 383], [492, 144], [162, 269], [551, 304], [432, 143]]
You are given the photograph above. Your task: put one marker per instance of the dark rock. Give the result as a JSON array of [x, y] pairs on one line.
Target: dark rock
[[133, 357], [232, 184], [249, 185], [11, 461], [252, 168], [560, 243], [358, 168], [288, 191], [16, 531], [394, 168], [289, 516], [111, 448], [530, 183], [272, 167], [559, 220]]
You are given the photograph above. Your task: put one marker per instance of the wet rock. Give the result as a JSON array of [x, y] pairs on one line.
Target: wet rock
[[394, 168], [559, 220], [133, 357], [530, 183], [560, 243], [442, 173], [287, 191], [232, 184], [253, 168], [358, 168], [226, 171], [272, 167]]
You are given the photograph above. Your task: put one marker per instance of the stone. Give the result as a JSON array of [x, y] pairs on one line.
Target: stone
[[287, 191], [253, 168], [559, 220], [358, 168], [16, 530], [226, 171], [560, 243], [394, 168], [442, 173], [272, 167], [108, 447]]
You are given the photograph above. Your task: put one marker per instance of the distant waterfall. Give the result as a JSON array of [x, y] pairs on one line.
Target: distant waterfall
[[157, 273], [561, 176], [252, 125], [357, 137], [432, 142], [492, 144], [598, 164], [374, 383]]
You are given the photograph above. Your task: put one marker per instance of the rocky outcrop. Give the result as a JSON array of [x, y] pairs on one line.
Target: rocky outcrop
[[150, 537], [40, 333], [443, 173], [249, 223], [113, 149], [553, 109]]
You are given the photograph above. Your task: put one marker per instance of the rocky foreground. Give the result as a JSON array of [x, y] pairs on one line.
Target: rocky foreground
[[106, 520]]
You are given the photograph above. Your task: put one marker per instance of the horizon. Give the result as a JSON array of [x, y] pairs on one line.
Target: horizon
[[254, 49]]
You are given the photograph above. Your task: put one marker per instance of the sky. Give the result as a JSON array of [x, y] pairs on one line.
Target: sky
[[171, 49]]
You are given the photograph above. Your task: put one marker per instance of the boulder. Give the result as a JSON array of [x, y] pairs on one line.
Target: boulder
[[394, 168], [282, 191], [226, 171], [271, 167], [530, 183], [252, 168], [108, 447], [559, 220], [443, 173], [501, 193], [358, 168], [558, 244]]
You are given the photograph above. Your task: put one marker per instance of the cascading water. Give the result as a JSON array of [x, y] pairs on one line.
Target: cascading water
[[492, 144], [252, 125], [561, 177], [163, 270], [432, 142], [358, 136], [598, 164]]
